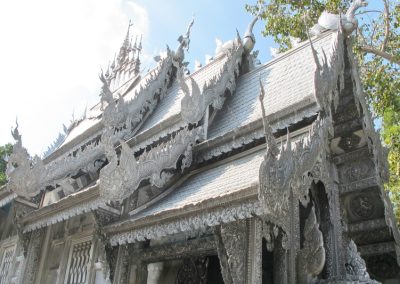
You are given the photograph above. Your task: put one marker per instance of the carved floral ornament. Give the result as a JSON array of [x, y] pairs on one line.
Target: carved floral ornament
[[195, 102], [290, 171], [26, 176], [123, 175]]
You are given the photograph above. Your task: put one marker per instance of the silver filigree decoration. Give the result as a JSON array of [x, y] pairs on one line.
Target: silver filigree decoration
[[196, 101], [189, 223], [311, 258], [290, 171], [26, 176], [356, 269], [123, 175], [327, 75], [232, 251], [127, 116]]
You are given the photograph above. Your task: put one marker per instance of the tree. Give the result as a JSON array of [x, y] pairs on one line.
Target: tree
[[376, 46], [5, 151]]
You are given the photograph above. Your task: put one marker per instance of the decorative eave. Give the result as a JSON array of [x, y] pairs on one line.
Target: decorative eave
[[6, 196], [75, 204], [209, 213], [198, 202]]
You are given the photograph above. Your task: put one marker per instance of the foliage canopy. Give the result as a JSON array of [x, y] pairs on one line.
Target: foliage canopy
[[5, 151]]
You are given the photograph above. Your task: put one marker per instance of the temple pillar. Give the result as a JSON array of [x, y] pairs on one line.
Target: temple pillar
[[154, 271], [33, 256], [254, 272], [122, 266], [294, 238], [232, 247]]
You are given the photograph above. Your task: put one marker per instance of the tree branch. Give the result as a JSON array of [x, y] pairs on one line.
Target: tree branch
[[380, 53], [387, 25], [369, 11]]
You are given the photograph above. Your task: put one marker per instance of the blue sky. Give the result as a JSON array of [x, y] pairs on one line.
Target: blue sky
[[213, 19]]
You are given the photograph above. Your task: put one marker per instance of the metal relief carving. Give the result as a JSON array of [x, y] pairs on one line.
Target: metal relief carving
[[26, 176], [193, 271], [355, 265], [33, 256], [311, 258], [21, 210], [274, 190], [329, 76], [205, 219], [362, 206], [232, 251], [291, 171], [123, 174], [126, 116], [196, 101]]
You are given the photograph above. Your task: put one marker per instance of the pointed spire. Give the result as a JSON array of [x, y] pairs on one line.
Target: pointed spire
[[124, 50]]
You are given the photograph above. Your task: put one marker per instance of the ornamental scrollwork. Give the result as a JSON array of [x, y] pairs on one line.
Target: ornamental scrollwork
[[26, 176], [195, 101], [327, 75], [290, 171], [355, 266], [193, 271], [232, 251], [123, 175], [311, 258], [127, 115]]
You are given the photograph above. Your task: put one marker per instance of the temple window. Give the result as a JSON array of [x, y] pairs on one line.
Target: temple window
[[79, 263], [6, 264]]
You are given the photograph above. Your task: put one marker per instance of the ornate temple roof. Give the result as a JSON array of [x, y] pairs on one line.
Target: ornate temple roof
[[178, 152], [288, 80]]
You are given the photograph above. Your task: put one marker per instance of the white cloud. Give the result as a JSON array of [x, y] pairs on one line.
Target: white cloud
[[51, 54]]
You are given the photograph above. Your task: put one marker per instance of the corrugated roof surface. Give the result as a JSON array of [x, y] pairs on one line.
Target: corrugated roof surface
[[287, 80], [213, 183]]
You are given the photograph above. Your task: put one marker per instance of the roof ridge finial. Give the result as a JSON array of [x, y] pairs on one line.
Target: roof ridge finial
[[184, 42], [15, 133], [249, 40]]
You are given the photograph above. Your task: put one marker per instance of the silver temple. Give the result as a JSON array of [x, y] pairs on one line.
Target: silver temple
[[238, 173]]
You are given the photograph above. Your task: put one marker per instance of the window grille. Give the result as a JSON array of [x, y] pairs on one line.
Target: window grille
[[6, 262], [79, 263]]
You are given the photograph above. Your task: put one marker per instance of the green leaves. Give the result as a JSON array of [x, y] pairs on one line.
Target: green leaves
[[5, 151]]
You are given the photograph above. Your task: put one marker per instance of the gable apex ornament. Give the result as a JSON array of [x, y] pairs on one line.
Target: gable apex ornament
[[26, 176]]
